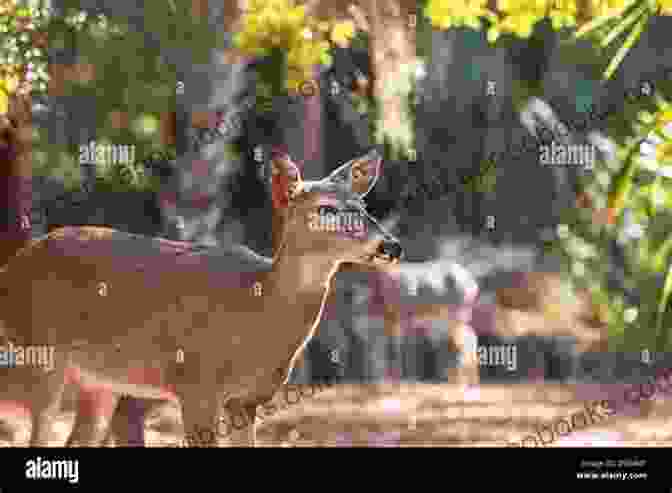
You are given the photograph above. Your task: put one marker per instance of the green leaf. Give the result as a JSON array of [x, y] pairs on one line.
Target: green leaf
[[593, 26], [663, 338], [623, 50], [662, 254], [601, 21], [623, 25], [326, 59]]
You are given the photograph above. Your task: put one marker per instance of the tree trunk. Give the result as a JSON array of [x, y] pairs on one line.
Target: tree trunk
[[392, 45]]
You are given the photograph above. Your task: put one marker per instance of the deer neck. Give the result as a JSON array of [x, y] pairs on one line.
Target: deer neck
[[295, 292]]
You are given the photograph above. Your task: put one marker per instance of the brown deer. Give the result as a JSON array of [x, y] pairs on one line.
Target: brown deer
[[112, 303], [15, 228], [399, 311], [128, 420], [96, 406], [523, 308], [402, 310]]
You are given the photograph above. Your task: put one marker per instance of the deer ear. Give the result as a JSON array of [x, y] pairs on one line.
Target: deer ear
[[360, 174], [286, 180]]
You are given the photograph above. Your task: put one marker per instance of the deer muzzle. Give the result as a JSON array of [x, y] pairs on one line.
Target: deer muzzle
[[386, 247], [390, 248]]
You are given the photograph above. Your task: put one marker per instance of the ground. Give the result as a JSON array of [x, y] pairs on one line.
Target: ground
[[420, 415]]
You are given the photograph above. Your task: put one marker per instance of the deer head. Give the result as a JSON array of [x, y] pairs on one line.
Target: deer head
[[328, 216]]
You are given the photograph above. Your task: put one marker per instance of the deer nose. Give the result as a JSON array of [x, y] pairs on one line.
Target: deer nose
[[390, 247]]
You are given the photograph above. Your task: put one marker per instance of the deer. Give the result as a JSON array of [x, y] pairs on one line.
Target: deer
[[203, 317], [396, 311], [401, 308], [15, 173], [394, 302]]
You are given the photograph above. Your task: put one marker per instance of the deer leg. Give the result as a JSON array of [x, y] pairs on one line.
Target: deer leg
[[241, 424], [14, 405], [469, 370], [94, 410], [130, 421], [200, 412], [45, 404], [394, 330], [11, 423], [397, 369], [462, 342], [127, 426]]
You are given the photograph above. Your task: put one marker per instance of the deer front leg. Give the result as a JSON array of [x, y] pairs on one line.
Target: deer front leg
[[46, 400], [240, 424], [463, 340], [95, 408], [200, 412], [127, 426], [133, 417], [15, 393]]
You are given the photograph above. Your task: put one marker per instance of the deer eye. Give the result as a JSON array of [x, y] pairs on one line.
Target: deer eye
[[295, 190], [327, 209]]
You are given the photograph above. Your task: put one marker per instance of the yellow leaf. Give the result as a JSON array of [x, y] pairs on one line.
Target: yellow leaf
[[665, 7], [664, 118], [343, 32], [4, 102], [10, 84], [664, 152], [296, 16]]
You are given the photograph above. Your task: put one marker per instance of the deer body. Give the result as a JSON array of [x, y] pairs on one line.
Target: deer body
[[186, 301], [161, 297], [113, 304]]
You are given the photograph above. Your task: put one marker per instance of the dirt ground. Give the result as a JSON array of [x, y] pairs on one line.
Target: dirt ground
[[396, 415]]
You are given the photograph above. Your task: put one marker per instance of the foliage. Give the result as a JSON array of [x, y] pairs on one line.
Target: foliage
[[125, 177], [606, 20], [23, 59], [280, 26], [130, 81], [293, 43], [628, 200]]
